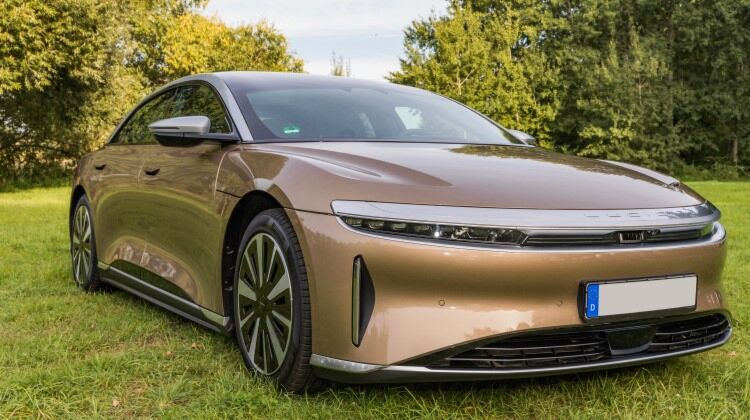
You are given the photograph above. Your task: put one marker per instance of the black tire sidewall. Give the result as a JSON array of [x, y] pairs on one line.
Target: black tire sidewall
[[91, 282], [267, 222]]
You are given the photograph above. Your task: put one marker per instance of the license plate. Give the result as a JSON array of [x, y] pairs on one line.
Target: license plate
[[637, 296]]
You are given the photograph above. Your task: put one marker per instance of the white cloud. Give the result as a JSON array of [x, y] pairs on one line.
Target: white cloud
[[369, 33], [326, 17]]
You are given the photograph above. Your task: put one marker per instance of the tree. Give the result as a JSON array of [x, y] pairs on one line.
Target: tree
[[54, 57], [619, 98], [712, 58], [660, 83], [70, 69], [488, 61], [339, 66]]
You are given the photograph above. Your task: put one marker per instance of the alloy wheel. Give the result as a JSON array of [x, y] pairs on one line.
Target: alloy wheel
[[264, 304], [81, 245]]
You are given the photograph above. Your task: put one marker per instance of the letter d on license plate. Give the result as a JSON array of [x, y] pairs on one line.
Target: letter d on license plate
[[642, 295]]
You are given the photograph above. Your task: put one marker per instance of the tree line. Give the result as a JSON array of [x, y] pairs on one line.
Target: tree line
[[662, 83], [70, 69]]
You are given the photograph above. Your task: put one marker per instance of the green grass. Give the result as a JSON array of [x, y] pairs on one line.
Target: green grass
[[65, 353]]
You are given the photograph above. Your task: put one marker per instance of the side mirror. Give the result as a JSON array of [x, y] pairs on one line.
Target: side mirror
[[179, 126], [524, 137]]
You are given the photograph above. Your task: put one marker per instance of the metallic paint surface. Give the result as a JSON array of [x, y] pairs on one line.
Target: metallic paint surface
[[113, 193], [183, 213], [486, 292], [186, 219], [310, 175]]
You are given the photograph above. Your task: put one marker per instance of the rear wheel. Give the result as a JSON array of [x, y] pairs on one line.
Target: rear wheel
[[271, 305], [83, 247]]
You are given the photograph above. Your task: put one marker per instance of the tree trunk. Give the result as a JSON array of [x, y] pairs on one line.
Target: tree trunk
[[735, 150]]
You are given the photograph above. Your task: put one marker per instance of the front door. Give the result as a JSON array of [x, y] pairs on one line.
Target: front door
[[118, 214], [185, 212]]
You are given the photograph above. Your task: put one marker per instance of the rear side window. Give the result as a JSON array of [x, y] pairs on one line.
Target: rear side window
[[135, 131], [200, 100]]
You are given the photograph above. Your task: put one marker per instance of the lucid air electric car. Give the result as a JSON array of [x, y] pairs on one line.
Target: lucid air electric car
[[368, 232]]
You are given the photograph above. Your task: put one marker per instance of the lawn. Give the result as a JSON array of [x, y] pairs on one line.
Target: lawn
[[65, 353]]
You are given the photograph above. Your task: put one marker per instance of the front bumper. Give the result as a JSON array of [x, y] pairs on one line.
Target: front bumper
[[432, 297], [352, 372]]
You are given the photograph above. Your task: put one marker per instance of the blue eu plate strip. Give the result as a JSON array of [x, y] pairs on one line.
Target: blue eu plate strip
[[592, 300]]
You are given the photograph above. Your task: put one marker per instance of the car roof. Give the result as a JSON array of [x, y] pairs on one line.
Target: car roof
[[259, 80]]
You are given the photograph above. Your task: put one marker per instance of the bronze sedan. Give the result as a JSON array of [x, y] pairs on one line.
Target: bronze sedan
[[369, 232]]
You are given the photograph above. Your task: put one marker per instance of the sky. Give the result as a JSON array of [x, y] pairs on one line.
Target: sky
[[369, 33]]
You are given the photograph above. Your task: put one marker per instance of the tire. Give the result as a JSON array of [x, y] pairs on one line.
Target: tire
[[271, 304], [83, 247]]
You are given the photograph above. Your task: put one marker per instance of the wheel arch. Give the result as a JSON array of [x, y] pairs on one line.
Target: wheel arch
[[76, 195], [249, 206]]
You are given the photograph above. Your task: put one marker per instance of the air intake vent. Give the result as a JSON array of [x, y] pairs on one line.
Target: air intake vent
[[363, 300], [555, 349]]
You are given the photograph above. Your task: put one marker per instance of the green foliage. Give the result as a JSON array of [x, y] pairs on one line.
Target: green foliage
[[477, 58], [723, 171], [665, 84], [70, 69]]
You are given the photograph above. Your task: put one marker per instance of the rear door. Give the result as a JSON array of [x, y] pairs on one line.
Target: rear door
[[185, 212], [118, 215]]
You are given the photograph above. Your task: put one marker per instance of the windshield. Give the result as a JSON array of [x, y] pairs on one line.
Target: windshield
[[362, 111]]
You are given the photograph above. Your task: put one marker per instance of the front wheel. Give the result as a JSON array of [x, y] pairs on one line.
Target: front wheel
[[83, 247], [271, 304]]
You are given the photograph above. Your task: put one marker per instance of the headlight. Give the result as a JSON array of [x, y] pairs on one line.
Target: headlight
[[438, 231]]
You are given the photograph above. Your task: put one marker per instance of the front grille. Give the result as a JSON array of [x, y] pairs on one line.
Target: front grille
[[547, 350]]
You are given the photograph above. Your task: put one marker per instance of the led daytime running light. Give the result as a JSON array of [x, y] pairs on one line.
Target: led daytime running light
[[488, 235]]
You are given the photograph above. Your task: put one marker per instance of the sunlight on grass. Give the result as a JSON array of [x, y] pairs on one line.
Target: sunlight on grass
[[64, 353]]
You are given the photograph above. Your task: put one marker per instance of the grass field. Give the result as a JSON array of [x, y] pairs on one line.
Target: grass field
[[65, 353]]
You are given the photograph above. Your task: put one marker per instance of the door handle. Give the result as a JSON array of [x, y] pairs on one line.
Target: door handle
[[99, 166], [151, 171]]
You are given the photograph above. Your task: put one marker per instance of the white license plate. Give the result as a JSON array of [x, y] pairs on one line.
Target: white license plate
[[636, 296]]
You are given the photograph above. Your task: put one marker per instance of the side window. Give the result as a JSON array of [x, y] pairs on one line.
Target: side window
[[135, 131], [201, 100]]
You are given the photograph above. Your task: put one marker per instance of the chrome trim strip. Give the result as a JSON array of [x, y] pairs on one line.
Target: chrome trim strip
[[716, 238], [698, 215], [340, 365], [353, 372], [100, 265], [166, 300], [215, 318]]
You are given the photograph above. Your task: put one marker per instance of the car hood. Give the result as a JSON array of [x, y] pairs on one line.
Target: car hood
[[309, 175]]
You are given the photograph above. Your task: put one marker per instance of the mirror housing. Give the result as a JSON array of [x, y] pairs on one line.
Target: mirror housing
[[179, 126], [524, 137]]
